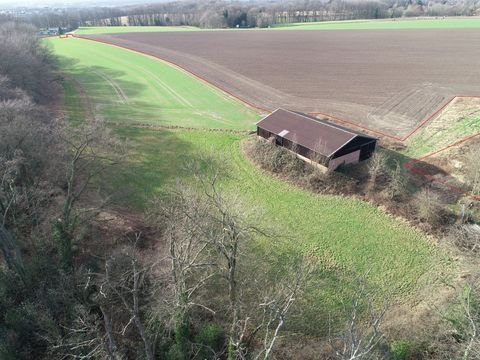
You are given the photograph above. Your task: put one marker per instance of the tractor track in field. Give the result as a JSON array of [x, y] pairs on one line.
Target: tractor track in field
[[158, 81], [122, 97]]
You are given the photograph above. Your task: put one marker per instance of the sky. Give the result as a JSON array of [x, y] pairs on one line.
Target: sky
[[42, 3]]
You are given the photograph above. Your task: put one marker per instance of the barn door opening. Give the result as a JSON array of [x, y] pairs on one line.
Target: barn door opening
[[280, 136], [278, 140]]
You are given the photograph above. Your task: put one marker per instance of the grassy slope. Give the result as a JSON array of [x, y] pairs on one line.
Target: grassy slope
[[448, 23], [340, 233], [132, 88]]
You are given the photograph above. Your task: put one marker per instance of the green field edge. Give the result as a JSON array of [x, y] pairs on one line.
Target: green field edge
[[365, 24]]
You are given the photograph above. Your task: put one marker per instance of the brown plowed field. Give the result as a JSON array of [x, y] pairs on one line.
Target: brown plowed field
[[389, 80]]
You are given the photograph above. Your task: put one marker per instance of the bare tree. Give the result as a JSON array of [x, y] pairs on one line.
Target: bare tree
[[472, 166], [183, 217], [277, 305], [90, 149], [428, 206], [472, 331], [319, 149], [27, 135], [376, 168], [229, 227], [85, 339], [360, 338], [464, 316], [110, 342], [208, 231], [26, 61], [232, 228], [27, 151], [396, 184], [11, 252], [124, 280]]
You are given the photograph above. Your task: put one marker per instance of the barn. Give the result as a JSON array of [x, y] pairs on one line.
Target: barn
[[318, 140]]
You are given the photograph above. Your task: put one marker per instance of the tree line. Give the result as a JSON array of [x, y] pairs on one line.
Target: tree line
[[259, 13]]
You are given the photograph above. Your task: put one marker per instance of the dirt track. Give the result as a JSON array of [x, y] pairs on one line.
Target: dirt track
[[389, 80]]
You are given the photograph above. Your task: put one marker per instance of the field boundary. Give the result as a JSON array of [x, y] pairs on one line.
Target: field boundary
[[408, 166], [178, 127]]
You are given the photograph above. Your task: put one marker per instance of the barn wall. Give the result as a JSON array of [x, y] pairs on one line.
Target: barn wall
[[366, 145], [350, 158], [298, 149], [263, 133], [305, 152]]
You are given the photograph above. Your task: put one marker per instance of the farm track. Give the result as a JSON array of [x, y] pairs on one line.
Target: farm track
[[122, 97]]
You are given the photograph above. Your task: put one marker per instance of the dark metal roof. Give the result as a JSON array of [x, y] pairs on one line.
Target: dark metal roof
[[318, 135]]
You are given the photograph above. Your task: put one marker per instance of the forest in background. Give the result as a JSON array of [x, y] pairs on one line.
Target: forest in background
[[255, 13]]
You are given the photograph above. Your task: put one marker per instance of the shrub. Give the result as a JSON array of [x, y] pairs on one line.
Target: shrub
[[281, 159], [397, 183], [400, 349], [210, 338], [276, 159], [295, 167], [331, 182], [466, 237], [176, 353], [377, 167], [259, 150], [317, 181], [429, 207], [473, 169]]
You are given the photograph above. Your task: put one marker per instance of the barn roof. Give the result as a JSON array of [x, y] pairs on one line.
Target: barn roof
[[318, 135]]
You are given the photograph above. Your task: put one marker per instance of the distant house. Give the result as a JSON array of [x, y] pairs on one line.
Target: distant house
[[52, 31], [326, 143]]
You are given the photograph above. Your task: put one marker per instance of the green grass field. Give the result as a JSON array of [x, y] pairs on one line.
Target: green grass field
[[132, 88], [119, 29], [423, 23], [343, 235]]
